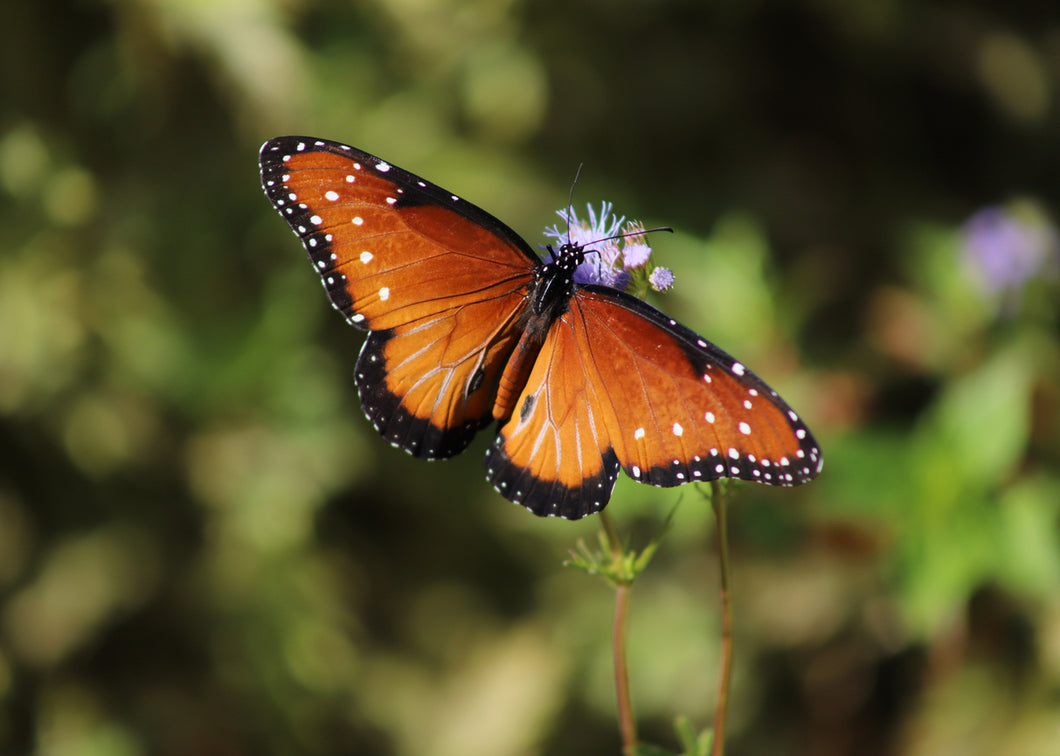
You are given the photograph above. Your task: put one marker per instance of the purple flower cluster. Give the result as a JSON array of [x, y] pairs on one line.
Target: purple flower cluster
[[615, 250]]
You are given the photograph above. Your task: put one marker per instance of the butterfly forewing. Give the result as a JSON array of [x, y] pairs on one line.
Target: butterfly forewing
[[440, 282], [390, 247]]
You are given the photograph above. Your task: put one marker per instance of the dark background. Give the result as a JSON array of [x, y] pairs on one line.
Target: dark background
[[204, 548]]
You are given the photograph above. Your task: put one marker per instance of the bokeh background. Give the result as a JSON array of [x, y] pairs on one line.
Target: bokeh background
[[204, 549]]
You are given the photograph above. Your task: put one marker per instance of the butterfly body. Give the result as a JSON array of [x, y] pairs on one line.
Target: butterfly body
[[468, 326], [548, 299], [555, 283]]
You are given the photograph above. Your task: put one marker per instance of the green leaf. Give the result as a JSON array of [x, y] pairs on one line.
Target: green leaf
[[981, 422], [1029, 553], [694, 743], [621, 568]]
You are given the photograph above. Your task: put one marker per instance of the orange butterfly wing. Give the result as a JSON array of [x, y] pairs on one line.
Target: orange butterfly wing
[[617, 383], [440, 284]]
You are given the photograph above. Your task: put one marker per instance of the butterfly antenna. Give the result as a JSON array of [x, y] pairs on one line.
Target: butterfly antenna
[[627, 234], [570, 199]]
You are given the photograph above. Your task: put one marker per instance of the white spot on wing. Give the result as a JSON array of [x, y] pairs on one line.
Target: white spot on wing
[[738, 369], [384, 293], [638, 433], [678, 430], [366, 257]]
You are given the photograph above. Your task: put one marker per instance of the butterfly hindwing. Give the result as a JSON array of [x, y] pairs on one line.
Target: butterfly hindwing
[[659, 400], [439, 282], [553, 455], [429, 386]]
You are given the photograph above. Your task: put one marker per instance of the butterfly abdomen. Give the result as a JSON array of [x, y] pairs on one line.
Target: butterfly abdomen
[[513, 379], [549, 297]]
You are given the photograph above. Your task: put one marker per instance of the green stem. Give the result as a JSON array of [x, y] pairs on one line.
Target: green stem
[[626, 722], [613, 541], [722, 707]]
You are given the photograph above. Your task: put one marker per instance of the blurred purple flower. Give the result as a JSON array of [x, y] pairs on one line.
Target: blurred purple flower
[[1006, 247], [613, 253]]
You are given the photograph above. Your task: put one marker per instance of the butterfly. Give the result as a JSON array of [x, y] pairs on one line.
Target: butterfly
[[468, 326]]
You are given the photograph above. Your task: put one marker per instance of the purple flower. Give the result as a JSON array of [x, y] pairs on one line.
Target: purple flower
[[636, 252], [615, 256], [635, 255], [1006, 247], [661, 279]]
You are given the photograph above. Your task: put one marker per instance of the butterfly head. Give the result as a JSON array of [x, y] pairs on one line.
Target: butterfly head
[[569, 257]]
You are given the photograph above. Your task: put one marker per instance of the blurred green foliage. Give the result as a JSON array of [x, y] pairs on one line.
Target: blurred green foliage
[[205, 549]]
